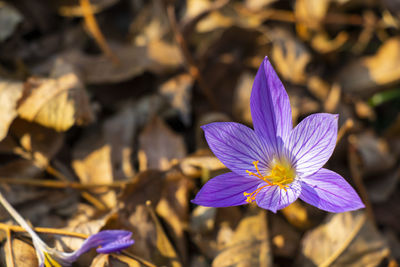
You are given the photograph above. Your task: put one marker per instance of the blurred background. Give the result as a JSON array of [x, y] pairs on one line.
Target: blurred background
[[101, 104]]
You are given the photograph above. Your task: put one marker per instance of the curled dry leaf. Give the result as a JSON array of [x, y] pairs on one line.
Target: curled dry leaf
[[57, 103], [347, 238], [372, 72], [10, 93], [249, 244]]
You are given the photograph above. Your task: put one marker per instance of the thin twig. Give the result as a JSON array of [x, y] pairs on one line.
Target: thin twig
[[94, 29], [190, 62], [42, 230], [61, 184], [9, 253]]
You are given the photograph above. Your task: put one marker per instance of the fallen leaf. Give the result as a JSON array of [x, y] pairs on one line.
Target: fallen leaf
[[158, 56], [311, 12], [249, 245], [155, 141], [173, 207], [92, 164], [347, 238], [57, 103], [23, 253], [203, 161], [10, 93], [375, 153], [289, 55], [372, 72], [178, 91]]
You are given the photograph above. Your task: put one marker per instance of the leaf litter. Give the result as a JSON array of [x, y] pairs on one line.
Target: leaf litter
[[93, 140]]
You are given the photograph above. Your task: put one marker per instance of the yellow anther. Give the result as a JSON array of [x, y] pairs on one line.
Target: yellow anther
[[281, 174]]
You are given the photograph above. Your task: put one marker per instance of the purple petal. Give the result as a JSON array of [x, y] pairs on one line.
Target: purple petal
[[236, 146], [270, 107], [273, 198], [109, 240], [329, 191], [312, 142], [226, 190]]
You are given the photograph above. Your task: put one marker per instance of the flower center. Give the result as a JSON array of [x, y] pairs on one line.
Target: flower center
[[281, 174]]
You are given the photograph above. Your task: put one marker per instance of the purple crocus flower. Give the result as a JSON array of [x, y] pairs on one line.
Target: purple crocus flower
[[275, 164], [107, 241]]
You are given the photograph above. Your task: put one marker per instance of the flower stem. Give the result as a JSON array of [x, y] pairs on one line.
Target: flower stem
[[18, 218]]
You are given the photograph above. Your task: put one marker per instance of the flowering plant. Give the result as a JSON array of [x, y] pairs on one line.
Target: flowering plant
[[275, 164], [107, 241]]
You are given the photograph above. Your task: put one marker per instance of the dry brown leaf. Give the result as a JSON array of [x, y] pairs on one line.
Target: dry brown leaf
[[57, 103], [84, 221], [173, 207], [345, 239], [311, 12], [36, 144], [124, 125], [375, 153], [151, 241], [151, 23], [324, 44], [156, 141], [290, 56], [372, 72], [215, 19], [158, 56], [203, 161], [92, 164], [23, 254], [381, 188], [10, 93], [202, 225], [249, 244], [178, 91]]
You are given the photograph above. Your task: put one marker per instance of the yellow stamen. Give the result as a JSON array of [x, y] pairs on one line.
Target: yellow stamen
[[49, 261], [281, 174]]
